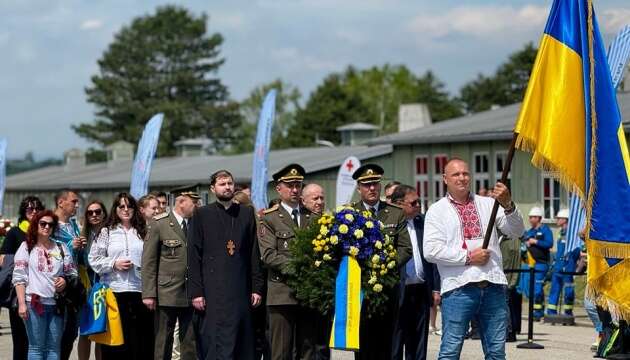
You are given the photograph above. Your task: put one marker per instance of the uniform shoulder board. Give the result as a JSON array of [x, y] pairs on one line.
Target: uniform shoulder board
[[160, 216], [270, 210]]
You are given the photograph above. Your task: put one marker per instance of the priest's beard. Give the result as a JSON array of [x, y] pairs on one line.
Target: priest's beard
[[225, 197]]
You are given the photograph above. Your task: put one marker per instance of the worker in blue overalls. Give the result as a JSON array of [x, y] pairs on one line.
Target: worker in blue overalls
[[538, 240], [564, 262]]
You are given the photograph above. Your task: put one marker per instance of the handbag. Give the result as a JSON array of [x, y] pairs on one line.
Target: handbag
[[94, 312], [73, 296], [114, 334]]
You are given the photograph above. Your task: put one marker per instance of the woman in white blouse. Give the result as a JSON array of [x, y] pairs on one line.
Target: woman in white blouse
[[116, 256], [41, 269]]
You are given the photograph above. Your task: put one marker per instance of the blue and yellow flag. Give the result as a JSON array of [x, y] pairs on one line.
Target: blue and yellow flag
[[348, 300], [570, 121]]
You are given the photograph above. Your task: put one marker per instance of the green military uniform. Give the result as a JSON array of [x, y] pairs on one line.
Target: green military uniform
[[292, 327], [164, 277], [376, 333]]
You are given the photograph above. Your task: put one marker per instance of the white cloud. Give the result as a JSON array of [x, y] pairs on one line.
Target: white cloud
[[227, 20], [612, 20], [482, 21], [91, 24], [294, 59]]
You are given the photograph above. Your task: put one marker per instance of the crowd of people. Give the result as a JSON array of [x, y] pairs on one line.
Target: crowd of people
[[197, 281]]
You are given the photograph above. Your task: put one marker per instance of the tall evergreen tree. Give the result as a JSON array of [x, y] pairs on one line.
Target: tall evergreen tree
[[165, 62]]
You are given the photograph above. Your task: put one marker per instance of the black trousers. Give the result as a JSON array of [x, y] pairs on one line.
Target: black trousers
[[137, 327], [411, 330], [294, 332], [376, 333], [260, 320], [70, 333], [165, 319], [18, 335], [515, 301]]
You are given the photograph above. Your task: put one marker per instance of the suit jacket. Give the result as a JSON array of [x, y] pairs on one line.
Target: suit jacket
[[275, 231], [431, 274], [165, 262]]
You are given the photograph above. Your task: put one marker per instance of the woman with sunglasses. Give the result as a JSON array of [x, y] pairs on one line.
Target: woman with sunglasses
[[93, 220], [29, 206], [116, 256], [42, 268]]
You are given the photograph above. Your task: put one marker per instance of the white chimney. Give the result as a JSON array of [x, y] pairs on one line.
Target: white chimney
[[413, 116], [74, 159]]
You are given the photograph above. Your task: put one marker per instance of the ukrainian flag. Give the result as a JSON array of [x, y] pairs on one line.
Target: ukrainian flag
[[348, 300], [571, 123]]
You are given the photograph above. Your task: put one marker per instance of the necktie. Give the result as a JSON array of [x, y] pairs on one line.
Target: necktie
[[373, 211], [185, 227], [294, 215]]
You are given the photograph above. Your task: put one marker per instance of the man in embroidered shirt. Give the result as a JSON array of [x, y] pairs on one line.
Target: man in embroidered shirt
[[473, 282]]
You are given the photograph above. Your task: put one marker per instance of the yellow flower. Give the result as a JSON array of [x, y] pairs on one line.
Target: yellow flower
[[369, 224], [314, 242], [349, 217], [358, 233], [391, 264], [383, 272], [376, 259], [343, 229], [382, 226], [317, 248], [317, 263], [372, 280], [323, 230], [383, 267], [354, 251], [326, 247], [366, 213], [334, 239], [339, 208], [392, 254], [378, 288], [327, 257], [378, 244]]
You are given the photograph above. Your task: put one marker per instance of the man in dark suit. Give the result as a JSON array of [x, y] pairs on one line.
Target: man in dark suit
[[420, 287]]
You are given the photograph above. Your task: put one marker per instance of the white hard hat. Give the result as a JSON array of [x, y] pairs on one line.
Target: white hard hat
[[563, 213], [536, 211]]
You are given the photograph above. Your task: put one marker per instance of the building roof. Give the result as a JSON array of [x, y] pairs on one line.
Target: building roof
[[358, 126], [483, 126], [171, 171]]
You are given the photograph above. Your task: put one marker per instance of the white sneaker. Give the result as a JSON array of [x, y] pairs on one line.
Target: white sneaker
[[435, 331]]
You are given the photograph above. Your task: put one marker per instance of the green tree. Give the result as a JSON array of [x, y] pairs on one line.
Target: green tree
[[506, 86], [431, 91], [328, 107], [287, 105], [166, 62]]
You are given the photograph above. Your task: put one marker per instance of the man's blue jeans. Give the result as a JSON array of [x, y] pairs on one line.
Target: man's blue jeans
[[44, 333], [488, 305]]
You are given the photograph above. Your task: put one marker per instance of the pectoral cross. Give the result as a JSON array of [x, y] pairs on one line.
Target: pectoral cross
[[230, 247]]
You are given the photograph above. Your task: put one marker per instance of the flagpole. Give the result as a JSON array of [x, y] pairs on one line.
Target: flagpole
[[504, 178]]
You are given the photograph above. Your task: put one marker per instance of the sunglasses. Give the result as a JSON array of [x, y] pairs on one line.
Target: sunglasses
[[45, 224], [96, 212], [31, 209]]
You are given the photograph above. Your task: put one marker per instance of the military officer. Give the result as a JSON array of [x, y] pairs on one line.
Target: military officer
[[376, 333], [292, 328], [164, 276]]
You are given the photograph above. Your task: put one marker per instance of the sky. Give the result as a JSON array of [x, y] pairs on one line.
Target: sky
[[50, 48]]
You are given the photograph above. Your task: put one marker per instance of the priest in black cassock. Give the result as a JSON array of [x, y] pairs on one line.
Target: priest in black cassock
[[225, 279]]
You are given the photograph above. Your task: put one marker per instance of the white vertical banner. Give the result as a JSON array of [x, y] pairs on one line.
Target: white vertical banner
[[345, 183], [3, 170], [141, 170]]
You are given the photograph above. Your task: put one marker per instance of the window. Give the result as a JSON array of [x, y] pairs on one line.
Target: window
[[481, 173], [439, 188], [550, 195], [500, 160], [422, 180]]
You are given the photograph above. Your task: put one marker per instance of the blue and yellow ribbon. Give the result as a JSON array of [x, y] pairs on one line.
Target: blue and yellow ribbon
[[348, 300]]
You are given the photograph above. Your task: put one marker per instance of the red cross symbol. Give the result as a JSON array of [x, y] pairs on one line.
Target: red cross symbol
[[349, 165]]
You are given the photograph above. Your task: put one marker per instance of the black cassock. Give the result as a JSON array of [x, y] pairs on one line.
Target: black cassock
[[224, 268]]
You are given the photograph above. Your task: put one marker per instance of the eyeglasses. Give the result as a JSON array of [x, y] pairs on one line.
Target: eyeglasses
[[31, 209], [414, 203], [45, 224], [125, 207], [96, 212]]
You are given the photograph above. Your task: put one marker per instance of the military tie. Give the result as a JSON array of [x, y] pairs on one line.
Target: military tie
[[373, 211], [185, 227], [294, 215]]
